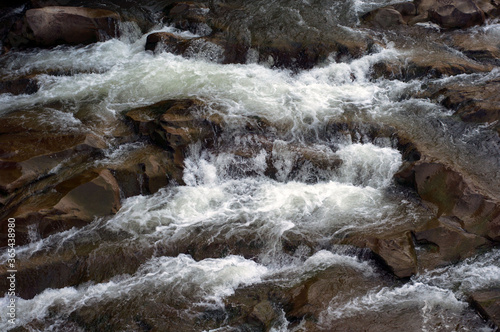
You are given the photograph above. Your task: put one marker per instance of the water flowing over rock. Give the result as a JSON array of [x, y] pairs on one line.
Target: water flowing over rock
[[250, 165]]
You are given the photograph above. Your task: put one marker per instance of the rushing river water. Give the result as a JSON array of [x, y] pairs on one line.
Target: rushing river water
[[230, 199]]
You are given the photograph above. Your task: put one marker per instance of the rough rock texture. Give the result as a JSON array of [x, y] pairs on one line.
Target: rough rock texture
[[487, 303], [396, 251], [448, 14], [478, 102], [452, 196], [455, 13], [442, 242], [384, 17], [174, 124], [22, 85], [72, 203], [71, 25]]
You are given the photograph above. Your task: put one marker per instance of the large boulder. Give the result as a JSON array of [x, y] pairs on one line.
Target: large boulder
[[450, 195], [395, 251], [472, 102], [74, 202], [487, 303], [71, 25], [443, 241], [456, 13]]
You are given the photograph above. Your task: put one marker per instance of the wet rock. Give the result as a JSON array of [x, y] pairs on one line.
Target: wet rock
[[479, 47], [174, 124], [433, 65], [396, 251], [70, 25], [487, 303], [444, 242], [71, 203], [259, 307], [167, 41], [77, 263], [384, 17], [144, 171], [23, 85], [456, 14], [491, 8], [27, 157], [473, 103], [188, 15], [452, 196]]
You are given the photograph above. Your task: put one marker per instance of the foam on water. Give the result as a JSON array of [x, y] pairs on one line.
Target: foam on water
[[179, 278]]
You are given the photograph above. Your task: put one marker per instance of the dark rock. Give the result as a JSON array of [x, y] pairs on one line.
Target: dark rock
[[444, 242], [169, 41], [144, 171], [71, 203], [487, 303], [405, 8], [473, 103], [456, 14], [174, 124], [452, 196], [396, 251], [384, 17], [24, 85], [188, 15], [71, 25]]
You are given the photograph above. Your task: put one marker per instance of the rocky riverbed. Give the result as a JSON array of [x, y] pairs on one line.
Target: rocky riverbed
[[250, 166]]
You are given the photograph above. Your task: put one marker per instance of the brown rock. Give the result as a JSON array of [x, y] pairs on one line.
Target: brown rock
[[384, 17], [487, 303], [23, 85], [71, 25], [174, 124], [456, 14], [189, 15], [168, 41], [473, 103], [445, 242], [396, 251]]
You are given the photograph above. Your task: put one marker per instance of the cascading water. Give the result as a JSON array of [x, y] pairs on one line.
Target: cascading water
[[267, 219]]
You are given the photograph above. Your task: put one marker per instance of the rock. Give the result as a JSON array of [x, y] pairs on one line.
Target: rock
[[144, 171], [168, 41], [97, 198], [188, 15], [23, 85], [479, 47], [396, 251], [444, 242], [384, 17], [260, 307], [451, 196], [433, 65], [71, 25], [27, 157], [72, 203], [456, 14], [77, 263], [487, 303], [405, 8], [174, 124], [491, 8], [473, 102]]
